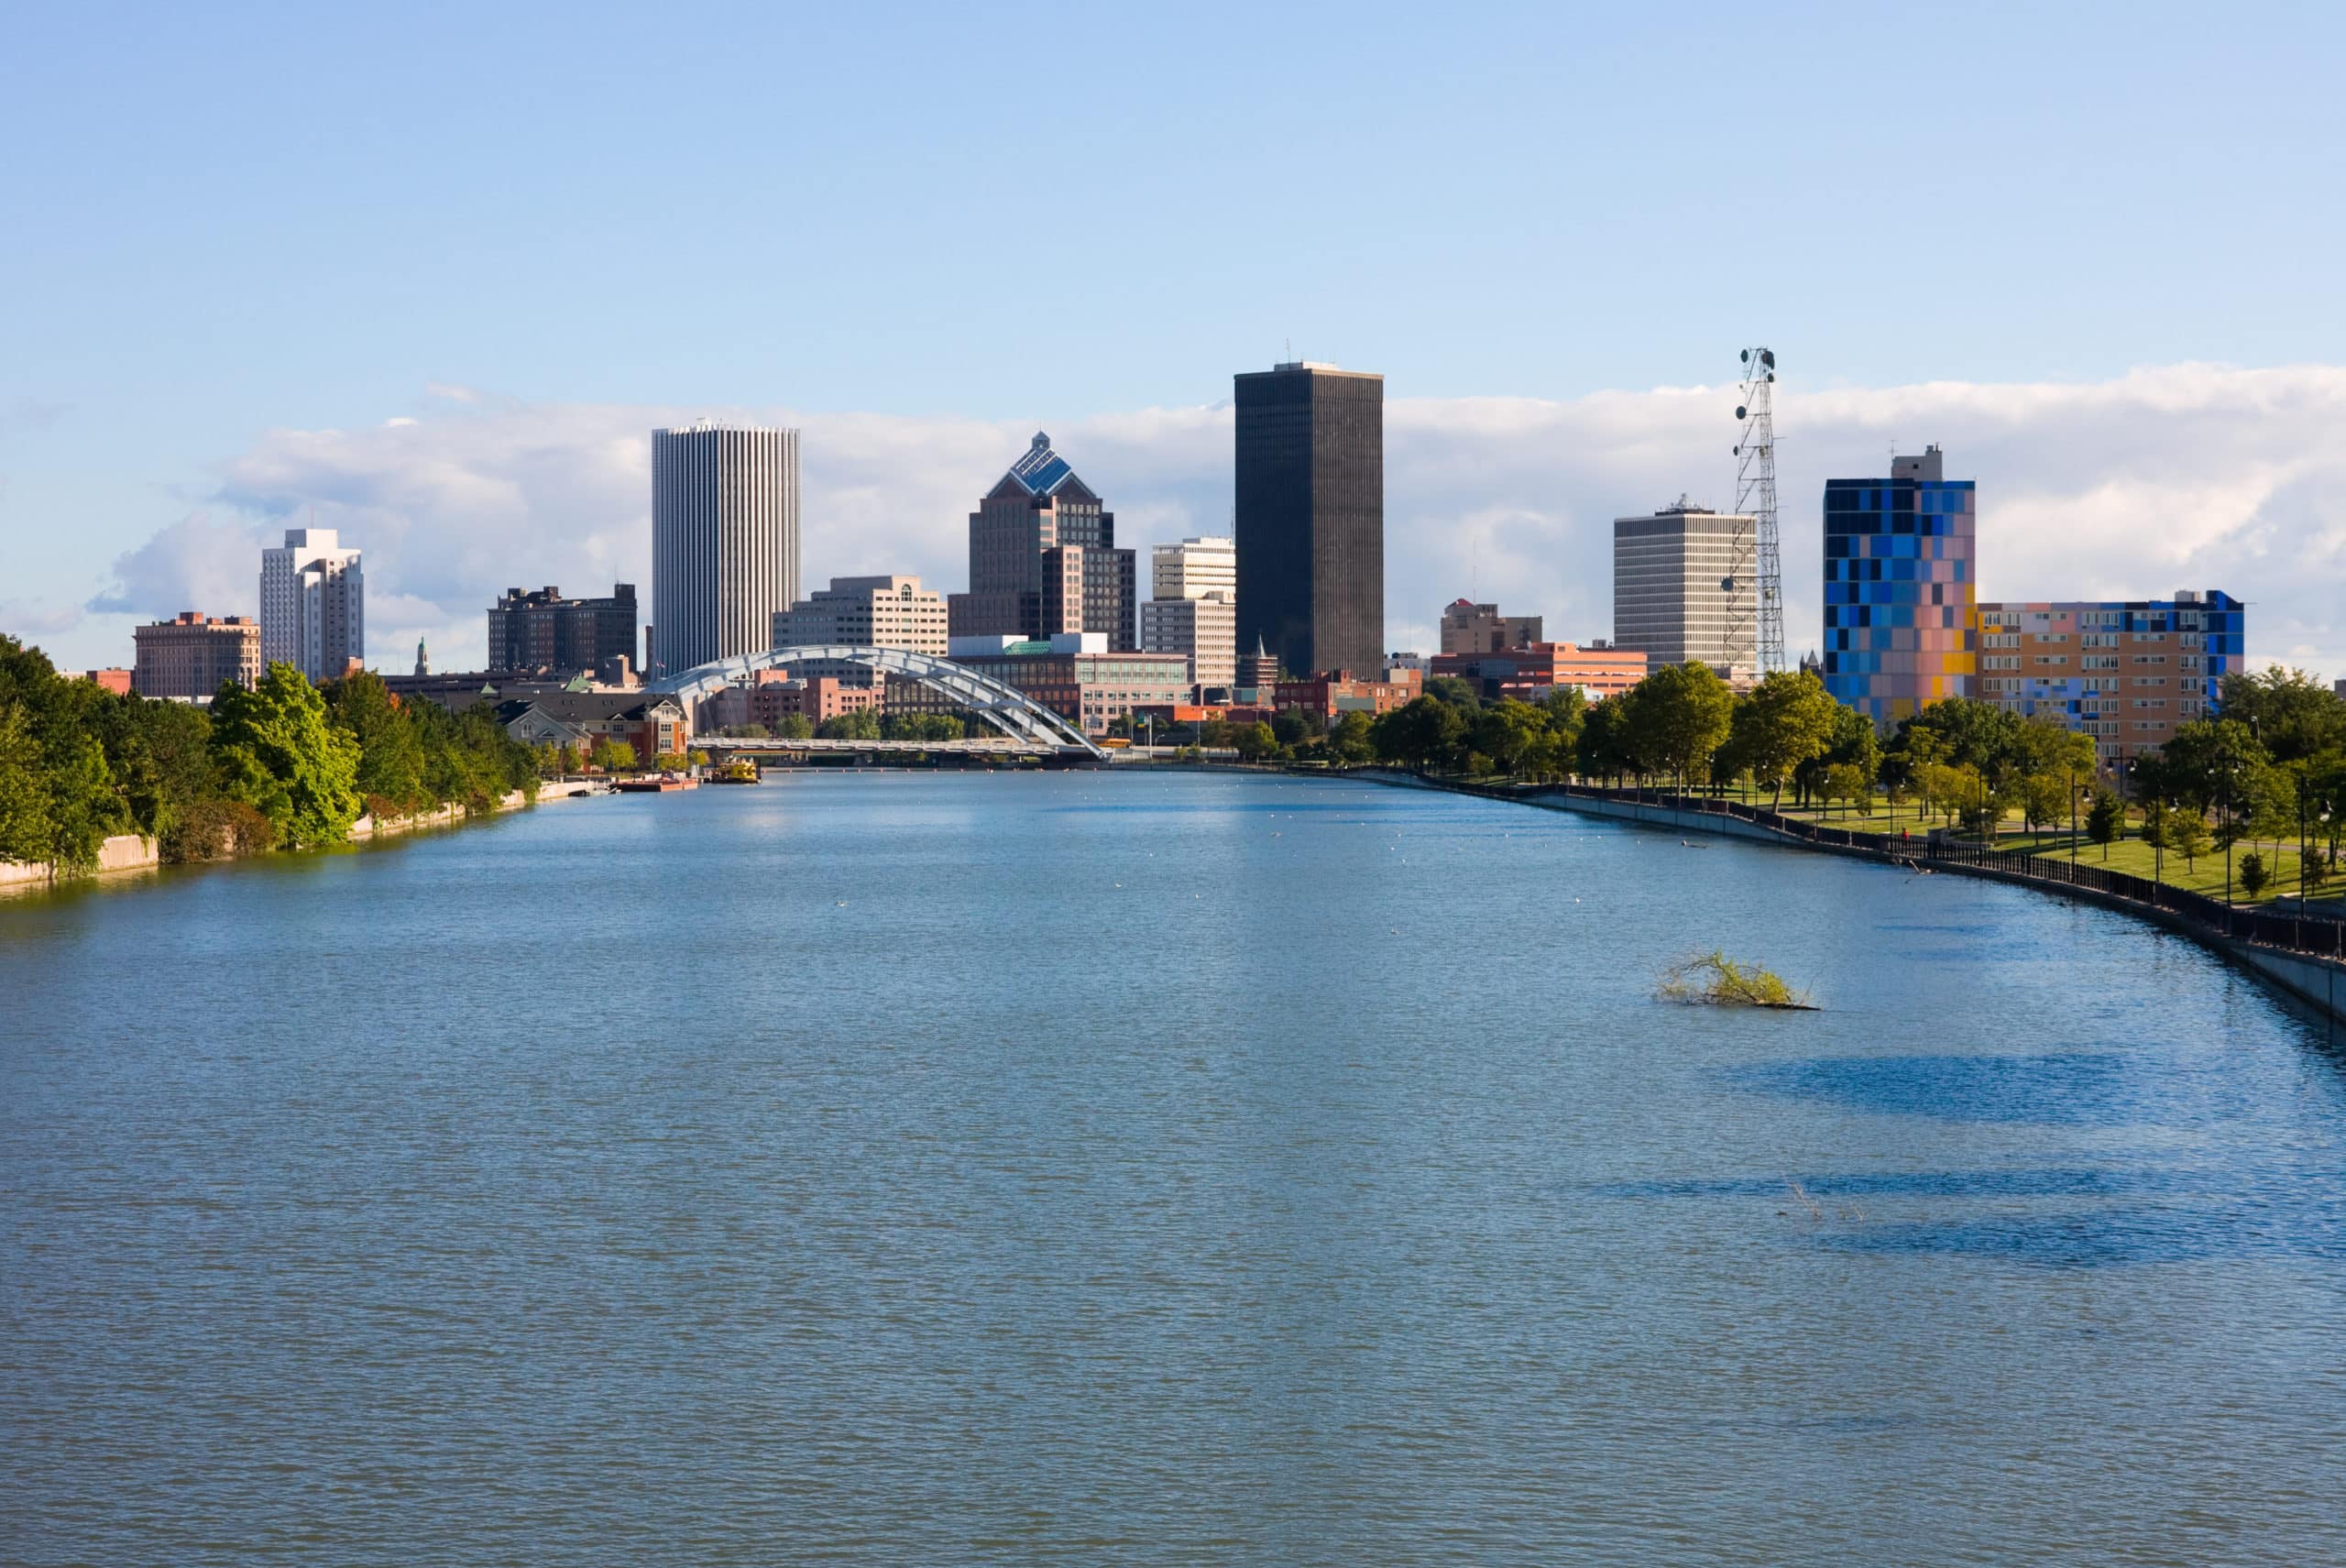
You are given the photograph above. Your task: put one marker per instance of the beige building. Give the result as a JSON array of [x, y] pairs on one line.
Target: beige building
[[2125, 672], [867, 613], [1193, 608], [193, 655], [1685, 587], [1471, 628]]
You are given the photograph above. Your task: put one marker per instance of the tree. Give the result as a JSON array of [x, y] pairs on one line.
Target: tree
[[1456, 690], [1420, 732], [1678, 716], [861, 725], [2044, 799], [567, 759], [1298, 727], [611, 756], [1783, 723], [2106, 822], [24, 791], [2253, 874], [1603, 752], [2187, 835], [1506, 732], [696, 757], [793, 727], [276, 751], [1256, 743], [1350, 738], [2293, 714], [1970, 733]]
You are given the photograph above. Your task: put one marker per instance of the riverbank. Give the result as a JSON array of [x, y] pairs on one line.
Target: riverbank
[[128, 853], [2312, 978]]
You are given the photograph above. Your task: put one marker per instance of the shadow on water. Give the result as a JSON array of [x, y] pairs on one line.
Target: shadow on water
[[2048, 1183], [2120, 1235], [2077, 1089]]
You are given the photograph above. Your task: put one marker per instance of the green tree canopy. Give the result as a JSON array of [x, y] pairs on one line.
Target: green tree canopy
[[1677, 716], [2292, 714], [1783, 723], [276, 751]]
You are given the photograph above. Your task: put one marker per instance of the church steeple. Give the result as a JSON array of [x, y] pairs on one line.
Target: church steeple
[[423, 663]]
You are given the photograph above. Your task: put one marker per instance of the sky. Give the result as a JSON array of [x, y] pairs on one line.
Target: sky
[[430, 275]]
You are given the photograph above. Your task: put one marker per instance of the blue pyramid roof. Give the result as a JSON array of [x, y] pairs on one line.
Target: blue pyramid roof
[[1042, 470]]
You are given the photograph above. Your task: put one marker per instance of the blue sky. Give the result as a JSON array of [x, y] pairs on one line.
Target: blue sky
[[220, 222]]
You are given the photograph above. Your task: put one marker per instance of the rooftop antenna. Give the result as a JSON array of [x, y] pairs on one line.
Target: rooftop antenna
[[1754, 498]]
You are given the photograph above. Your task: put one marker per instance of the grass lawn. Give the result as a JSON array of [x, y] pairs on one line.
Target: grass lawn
[[2129, 855]]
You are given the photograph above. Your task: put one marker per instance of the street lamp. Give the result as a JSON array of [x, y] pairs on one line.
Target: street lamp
[[2070, 776]]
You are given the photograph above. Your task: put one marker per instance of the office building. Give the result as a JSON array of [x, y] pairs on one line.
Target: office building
[[1310, 516], [192, 656], [313, 605], [1407, 661], [724, 541], [543, 630], [1193, 609], [867, 613], [1686, 588], [1077, 675], [1901, 593], [1043, 559], [1471, 628], [2125, 672]]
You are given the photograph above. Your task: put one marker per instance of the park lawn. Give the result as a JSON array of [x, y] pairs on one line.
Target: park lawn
[[2135, 857]]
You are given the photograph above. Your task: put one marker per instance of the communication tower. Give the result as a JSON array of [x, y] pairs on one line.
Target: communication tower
[[1755, 495]]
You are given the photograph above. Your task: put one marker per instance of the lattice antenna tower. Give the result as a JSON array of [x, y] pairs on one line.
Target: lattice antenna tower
[[1755, 495]]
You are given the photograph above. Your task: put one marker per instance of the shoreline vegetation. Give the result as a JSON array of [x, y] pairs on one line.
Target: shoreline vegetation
[[2265, 779], [283, 766]]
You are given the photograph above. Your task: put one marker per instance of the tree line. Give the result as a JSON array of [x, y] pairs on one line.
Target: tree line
[[2271, 765], [285, 765]]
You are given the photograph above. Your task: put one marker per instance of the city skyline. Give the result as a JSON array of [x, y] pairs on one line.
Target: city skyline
[[456, 506]]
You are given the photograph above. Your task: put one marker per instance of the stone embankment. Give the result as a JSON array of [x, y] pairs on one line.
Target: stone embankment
[[132, 852]]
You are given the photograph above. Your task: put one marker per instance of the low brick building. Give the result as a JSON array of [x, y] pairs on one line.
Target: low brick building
[[1533, 671]]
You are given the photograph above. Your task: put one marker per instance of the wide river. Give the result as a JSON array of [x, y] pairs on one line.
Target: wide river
[[905, 1169]]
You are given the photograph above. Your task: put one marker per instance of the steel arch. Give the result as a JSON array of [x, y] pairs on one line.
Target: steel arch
[[1007, 708]]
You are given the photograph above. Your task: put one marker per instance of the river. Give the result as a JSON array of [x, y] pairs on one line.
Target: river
[[936, 1168]]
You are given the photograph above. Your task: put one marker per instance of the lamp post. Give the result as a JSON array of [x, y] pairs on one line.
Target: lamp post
[[2070, 776]]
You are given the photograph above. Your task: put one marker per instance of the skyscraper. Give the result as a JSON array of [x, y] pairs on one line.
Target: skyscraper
[[724, 541], [1193, 608], [1043, 558], [1900, 590], [1685, 587], [1310, 494], [313, 605]]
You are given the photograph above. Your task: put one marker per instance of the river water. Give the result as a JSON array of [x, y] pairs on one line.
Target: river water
[[1162, 1169]]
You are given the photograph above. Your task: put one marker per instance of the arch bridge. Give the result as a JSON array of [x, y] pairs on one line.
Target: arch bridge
[[1006, 708]]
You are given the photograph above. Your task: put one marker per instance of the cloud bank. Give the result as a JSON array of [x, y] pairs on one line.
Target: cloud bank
[[2185, 476]]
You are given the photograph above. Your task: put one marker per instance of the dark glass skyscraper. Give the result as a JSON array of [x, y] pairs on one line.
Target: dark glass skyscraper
[[1043, 558], [1310, 522]]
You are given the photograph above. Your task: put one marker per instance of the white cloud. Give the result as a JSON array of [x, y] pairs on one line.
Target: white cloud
[[2185, 475]]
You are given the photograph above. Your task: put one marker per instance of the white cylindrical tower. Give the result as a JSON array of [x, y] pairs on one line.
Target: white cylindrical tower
[[724, 541]]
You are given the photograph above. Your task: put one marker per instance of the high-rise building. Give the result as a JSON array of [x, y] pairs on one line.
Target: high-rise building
[[1194, 568], [867, 613], [724, 541], [1311, 524], [1043, 558], [1193, 607], [313, 605], [543, 630], [1685, 587], [1900, 590], [1471, 628], [2125, 672], [193, 655]]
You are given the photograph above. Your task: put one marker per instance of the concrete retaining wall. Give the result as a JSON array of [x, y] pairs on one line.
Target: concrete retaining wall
[[124, 852]]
